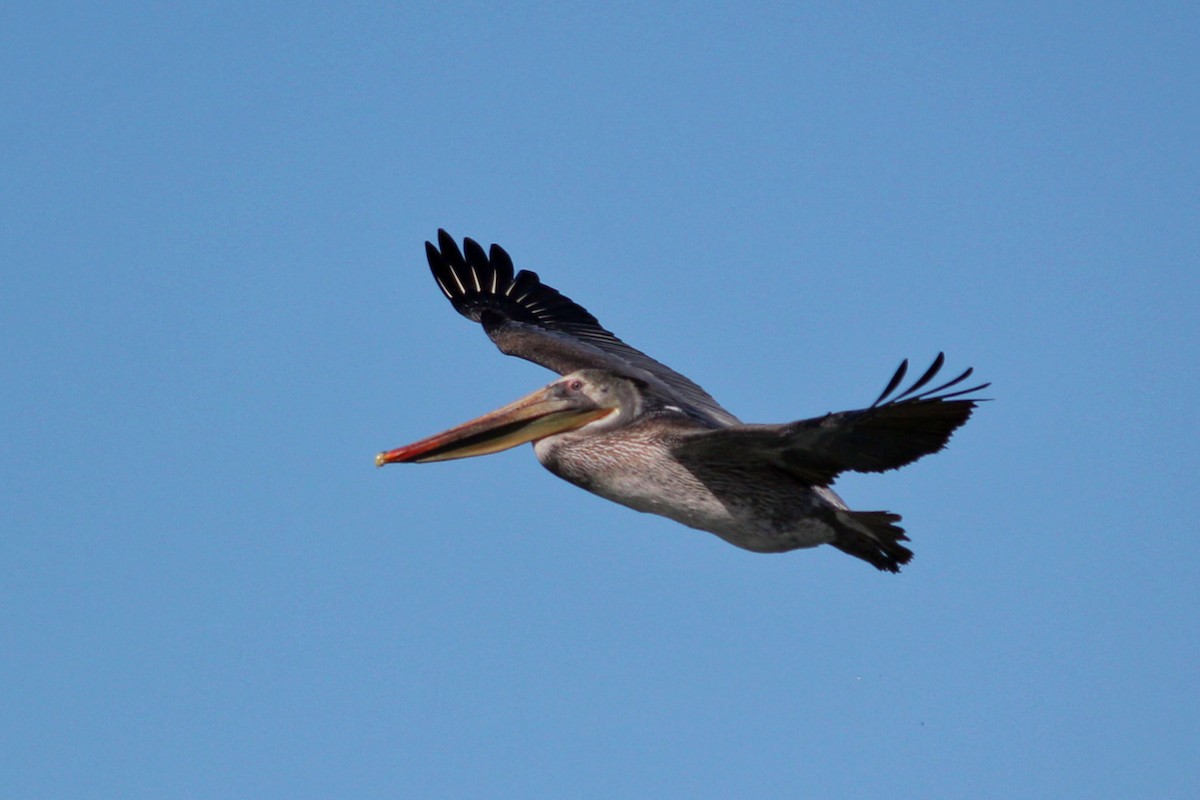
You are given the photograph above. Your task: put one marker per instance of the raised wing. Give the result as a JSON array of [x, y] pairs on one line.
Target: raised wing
[[528, 319], [895, 430]]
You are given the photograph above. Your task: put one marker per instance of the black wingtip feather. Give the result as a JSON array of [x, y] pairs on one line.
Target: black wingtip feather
[[502, 262], [477, 263], [901, 371], [924, 379], [450, 254], [929, 393], [913, 393]]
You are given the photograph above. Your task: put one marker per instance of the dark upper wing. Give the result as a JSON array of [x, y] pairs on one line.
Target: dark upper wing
[[892, 432], [527, 318]]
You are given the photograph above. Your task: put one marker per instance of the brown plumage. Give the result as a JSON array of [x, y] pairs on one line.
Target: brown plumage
[[625, 427]]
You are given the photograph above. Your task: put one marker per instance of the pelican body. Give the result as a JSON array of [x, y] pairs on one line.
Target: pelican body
[[623, 426]]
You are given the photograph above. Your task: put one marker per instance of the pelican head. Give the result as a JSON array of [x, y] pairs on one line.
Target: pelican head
[[588, 397]]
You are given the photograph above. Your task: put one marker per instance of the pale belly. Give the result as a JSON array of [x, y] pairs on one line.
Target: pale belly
[[764, 511]]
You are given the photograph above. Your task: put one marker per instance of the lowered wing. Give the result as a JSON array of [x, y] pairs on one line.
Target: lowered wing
[[895, 430]]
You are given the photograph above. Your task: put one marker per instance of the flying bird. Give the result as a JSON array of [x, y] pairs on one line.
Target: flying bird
[[634, 431]]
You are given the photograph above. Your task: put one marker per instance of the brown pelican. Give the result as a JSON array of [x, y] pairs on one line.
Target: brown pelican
[[634, 431]]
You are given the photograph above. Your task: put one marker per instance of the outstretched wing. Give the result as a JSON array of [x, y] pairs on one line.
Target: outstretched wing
[[895, 430], [528, 319]]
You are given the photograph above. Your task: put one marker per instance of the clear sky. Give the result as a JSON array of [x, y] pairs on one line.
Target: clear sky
[[215, 311]]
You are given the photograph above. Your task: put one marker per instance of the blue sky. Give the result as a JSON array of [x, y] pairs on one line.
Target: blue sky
[[216, 310]]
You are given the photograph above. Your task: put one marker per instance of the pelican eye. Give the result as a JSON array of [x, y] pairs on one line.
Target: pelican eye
[[575, 385]]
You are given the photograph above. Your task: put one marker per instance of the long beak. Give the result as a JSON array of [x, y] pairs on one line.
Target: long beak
[[534, 416]]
